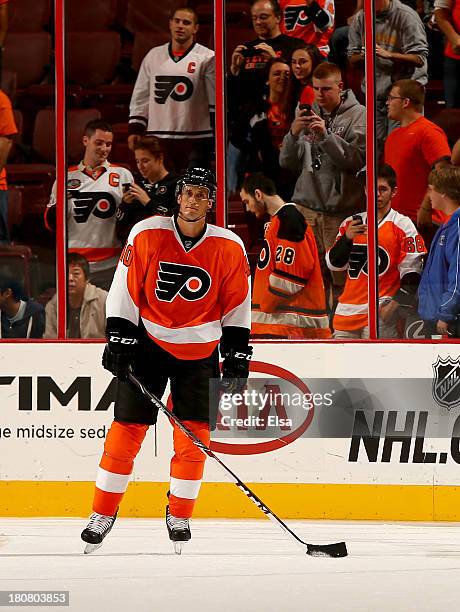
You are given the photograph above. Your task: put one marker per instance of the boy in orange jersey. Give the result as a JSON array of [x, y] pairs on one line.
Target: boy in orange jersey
[[181, 287], [400, 252], [288, 299]]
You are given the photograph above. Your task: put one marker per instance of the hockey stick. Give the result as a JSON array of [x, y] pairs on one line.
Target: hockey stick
[[338, 549]]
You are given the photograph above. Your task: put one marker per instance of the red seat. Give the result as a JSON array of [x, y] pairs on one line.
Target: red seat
[[43, 142], [144, 15], [28, 54], [87, 14], [92, 57], [15, 263], [28, 15], [143, 42], [449, 121]]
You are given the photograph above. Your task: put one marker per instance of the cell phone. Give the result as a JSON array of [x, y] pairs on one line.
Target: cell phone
[[357, 218], [305, 109], [125, 187]]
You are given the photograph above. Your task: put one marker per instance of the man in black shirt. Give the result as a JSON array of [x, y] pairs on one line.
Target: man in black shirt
[[247, 79]]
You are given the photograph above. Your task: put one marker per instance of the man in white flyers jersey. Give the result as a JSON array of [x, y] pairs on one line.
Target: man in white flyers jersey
[[94, 192], [174, 95]]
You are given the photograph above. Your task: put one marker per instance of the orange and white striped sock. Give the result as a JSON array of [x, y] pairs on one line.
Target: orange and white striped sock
[[187, 467], [120, 449]]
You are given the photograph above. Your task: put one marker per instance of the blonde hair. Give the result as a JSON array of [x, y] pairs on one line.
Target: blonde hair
[[446, 180]]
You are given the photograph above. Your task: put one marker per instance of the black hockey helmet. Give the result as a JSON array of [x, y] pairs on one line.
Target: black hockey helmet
[[199, 177]]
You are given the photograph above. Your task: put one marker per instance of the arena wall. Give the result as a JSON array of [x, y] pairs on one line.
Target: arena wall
[[56, 406]]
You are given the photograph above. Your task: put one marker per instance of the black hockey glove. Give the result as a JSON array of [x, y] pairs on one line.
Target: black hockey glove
[[119, 354], [235, 369]]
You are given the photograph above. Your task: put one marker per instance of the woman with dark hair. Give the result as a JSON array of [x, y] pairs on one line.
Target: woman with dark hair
[[154, 191], [269, 120], [303, 64]]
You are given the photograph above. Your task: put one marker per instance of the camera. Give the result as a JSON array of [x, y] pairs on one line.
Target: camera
[[125, 187], [249, 52]]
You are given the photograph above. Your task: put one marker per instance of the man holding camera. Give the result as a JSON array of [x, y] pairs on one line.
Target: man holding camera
[[326, 147], [248, 72]]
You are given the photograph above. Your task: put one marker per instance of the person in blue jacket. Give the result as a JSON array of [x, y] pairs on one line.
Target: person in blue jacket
[[439, 289]]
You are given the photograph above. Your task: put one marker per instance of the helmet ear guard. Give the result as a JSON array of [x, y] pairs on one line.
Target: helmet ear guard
[[201, 177]]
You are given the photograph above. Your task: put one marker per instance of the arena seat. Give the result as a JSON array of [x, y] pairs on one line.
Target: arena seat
[[29, 55], [82, 15], [15, 262], [449, 121], [143, 42], [149, 15], [28, 15], [92, 57]]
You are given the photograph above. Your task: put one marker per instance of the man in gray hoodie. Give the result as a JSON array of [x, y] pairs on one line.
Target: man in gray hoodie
[[326, 145]]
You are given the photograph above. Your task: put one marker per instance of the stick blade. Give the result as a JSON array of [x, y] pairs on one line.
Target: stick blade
[[339, 549]]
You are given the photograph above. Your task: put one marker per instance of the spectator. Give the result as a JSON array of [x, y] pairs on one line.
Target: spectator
[[303, 64], [327, 148], [269, 120], [153, 194], [174, 95], [401, 53], [439, 291], [413, 149], [86, 304], [310, 20], [400, 260], [288, 299], [247, 79], [94, 192], [20, 317], [7, 131], [447, 15]]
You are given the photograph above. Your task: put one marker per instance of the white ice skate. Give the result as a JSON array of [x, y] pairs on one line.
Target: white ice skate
[[178, 530], [98, 527]]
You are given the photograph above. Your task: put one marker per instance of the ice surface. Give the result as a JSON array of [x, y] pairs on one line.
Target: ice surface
[[236, 566]]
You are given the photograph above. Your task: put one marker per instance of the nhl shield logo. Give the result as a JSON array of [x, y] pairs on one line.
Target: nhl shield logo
[[446, 382]]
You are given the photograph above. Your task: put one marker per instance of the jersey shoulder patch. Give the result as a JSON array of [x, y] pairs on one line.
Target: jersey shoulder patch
[[292, 224]]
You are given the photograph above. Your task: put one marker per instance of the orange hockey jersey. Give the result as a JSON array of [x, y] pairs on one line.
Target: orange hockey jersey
[[289, 298], [400, 251], [297, 23], [183, 298]]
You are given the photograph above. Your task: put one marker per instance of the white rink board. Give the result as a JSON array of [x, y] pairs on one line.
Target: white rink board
[[303, 461]]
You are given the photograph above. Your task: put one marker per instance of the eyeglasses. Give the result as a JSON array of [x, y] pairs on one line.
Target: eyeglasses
[[390, 97]]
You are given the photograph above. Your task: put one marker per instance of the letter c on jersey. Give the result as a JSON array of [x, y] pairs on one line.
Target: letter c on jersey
[[190, 282]]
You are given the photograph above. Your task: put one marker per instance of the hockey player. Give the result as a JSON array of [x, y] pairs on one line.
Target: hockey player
[[181, 287], [400, 260], [174, 95], [288, 297], [94, 192]]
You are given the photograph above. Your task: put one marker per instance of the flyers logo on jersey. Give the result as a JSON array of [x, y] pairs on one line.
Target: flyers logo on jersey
[[190, 282], [357, 262], [295, 16], [178, 88], [100, 203]]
